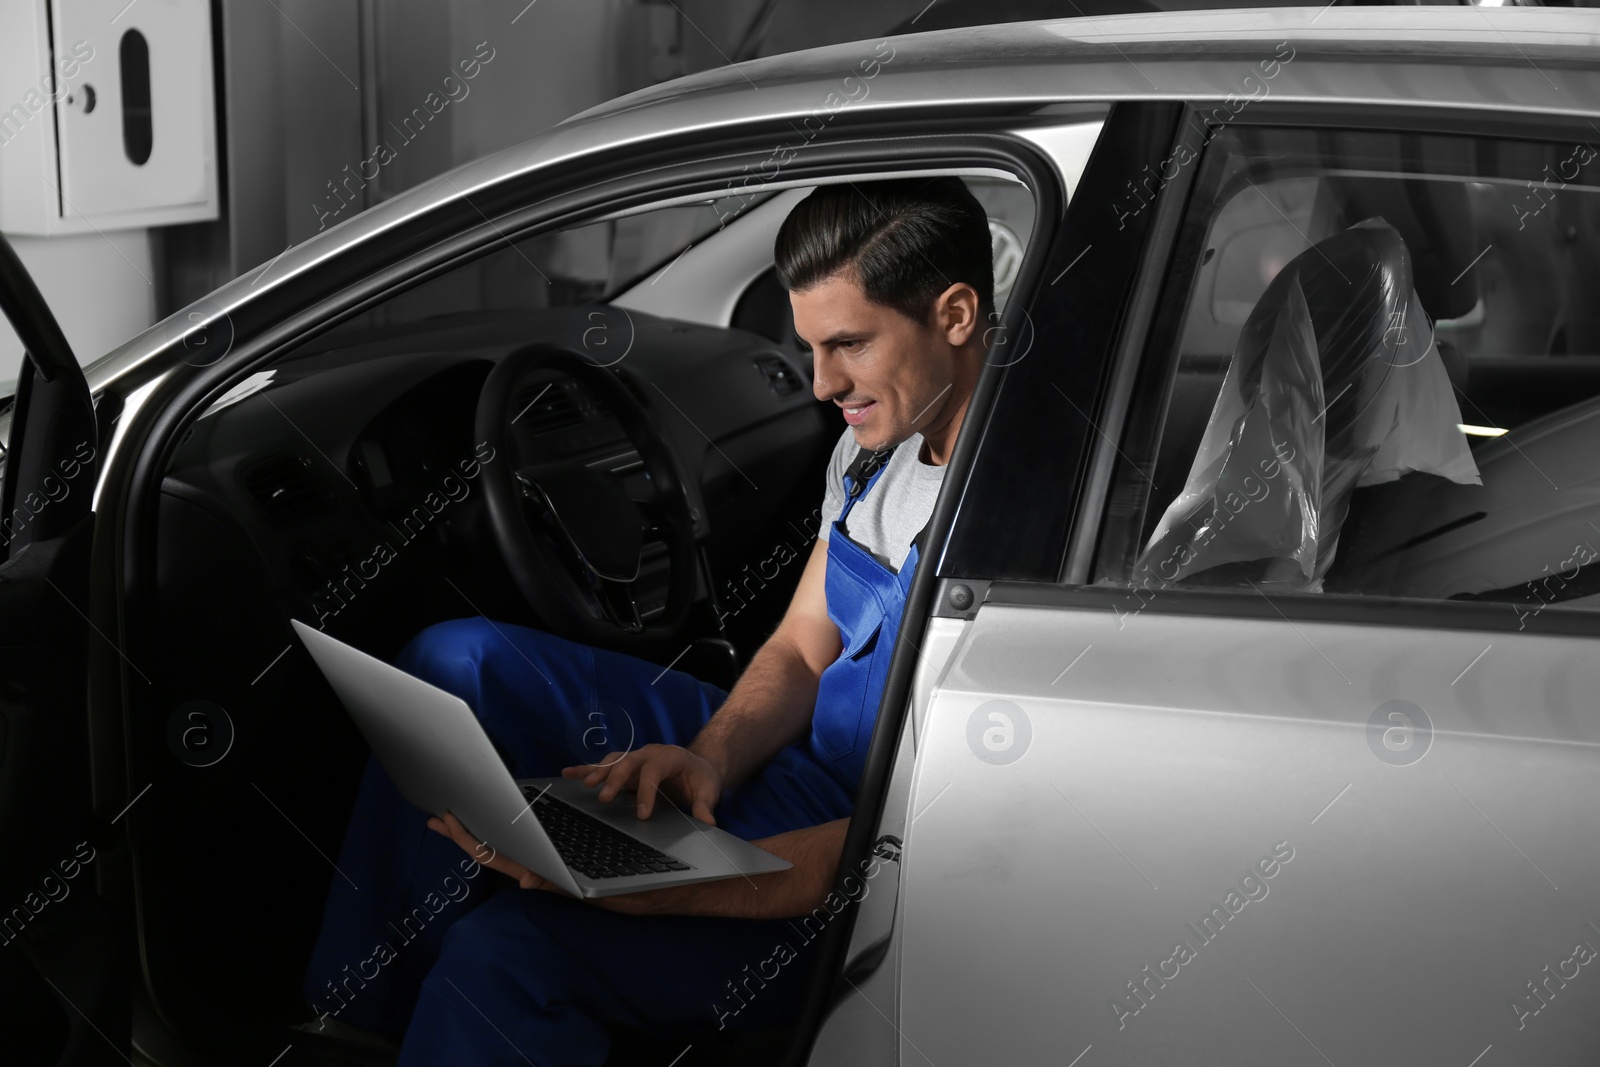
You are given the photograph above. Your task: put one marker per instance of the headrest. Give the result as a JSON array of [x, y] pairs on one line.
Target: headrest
[[1434, 219]]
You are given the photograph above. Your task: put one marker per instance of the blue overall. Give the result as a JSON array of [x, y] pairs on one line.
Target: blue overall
[[418, 940]]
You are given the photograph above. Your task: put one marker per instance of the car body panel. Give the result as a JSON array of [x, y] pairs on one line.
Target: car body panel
[[1167, 756]]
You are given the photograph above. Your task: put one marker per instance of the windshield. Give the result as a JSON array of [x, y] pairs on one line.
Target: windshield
[[578, 266]]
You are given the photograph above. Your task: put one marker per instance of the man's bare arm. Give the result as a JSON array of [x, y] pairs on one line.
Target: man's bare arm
[[814, 851], [769, 707], [772, 703]]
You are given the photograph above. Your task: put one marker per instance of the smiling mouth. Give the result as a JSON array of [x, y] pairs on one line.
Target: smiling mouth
[[854, 413]]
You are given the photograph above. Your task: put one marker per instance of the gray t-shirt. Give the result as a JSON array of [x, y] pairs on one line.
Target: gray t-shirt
[[897, 506]]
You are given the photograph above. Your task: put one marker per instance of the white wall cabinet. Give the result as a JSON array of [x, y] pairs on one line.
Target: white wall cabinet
[[107, 115]]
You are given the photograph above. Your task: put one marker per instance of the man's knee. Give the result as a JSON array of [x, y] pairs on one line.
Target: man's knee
[[456, 654], [447, 654], [500, 978], [474, 940], [496, 942]]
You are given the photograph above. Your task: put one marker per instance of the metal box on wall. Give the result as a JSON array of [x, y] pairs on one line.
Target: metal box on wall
[[107, 115]]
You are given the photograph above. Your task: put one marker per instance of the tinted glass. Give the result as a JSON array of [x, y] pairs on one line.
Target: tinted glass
[[1383, 379]]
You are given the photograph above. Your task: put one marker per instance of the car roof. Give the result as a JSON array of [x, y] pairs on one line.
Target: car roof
[[1540, 60], [991, 62]]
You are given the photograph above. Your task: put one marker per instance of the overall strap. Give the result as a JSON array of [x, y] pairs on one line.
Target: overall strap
[[858, 474], [920, 539]]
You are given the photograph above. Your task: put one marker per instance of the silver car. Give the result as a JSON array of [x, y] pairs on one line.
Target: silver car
[[1244, 703]]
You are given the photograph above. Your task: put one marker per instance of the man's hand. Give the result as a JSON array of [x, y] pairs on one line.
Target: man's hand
[[797, 891], [814, 852], [451, 827], [695, 780]]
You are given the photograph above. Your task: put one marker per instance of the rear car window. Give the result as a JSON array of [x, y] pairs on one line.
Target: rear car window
[[1377, 373]]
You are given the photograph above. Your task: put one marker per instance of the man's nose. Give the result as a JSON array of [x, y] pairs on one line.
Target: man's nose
[[823, 384]]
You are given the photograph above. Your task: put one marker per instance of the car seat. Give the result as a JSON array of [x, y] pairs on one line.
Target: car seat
[[1437, 222], [1326, 389]]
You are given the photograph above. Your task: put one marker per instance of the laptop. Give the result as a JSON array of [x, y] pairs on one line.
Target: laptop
[[440, 758]]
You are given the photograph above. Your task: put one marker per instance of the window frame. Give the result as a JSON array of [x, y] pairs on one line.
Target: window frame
[[1012, 519]]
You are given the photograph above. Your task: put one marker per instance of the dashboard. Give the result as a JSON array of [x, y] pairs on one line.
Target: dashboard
[[350, 477]]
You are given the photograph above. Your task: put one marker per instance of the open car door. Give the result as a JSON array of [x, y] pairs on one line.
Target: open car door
[[63, 980]]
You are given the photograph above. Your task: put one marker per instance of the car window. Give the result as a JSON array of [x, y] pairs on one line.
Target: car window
[[11, 356], [1377, 372], [566, 268], [593, 263], [1009, 205], [9, 368]]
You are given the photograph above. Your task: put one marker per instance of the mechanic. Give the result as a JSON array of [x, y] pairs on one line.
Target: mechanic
[[891, 285]]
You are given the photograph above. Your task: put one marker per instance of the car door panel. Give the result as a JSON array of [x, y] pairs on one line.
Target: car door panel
[[62, 960], [1421, 876], [863, 1026]]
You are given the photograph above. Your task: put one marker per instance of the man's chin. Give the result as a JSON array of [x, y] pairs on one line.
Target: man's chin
[[876, 440]]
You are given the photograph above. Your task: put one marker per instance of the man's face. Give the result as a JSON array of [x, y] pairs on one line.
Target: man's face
[[891, 376]]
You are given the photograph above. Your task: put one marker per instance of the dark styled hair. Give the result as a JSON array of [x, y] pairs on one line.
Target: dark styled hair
[[909, 239]]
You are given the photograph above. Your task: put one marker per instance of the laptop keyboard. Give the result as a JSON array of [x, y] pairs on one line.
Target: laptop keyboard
[[593, 848]]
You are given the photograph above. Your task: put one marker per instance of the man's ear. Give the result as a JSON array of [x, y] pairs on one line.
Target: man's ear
[[956, 314]]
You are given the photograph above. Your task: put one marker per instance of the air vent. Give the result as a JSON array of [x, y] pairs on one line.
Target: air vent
[[781, 378], [287, 488], [594, 407]]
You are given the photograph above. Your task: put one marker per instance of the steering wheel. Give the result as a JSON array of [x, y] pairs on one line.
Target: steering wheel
[[569, 534]]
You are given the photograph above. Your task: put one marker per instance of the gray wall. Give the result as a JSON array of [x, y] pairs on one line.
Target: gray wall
[[308, 89], [313, 88]]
